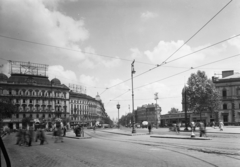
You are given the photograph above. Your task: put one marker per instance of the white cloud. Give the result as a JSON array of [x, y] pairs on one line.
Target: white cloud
[[65, 76], [136, 54], [164, 49], [34, 21], [235, 42], [148, 15], [88, 80], [4, 68]]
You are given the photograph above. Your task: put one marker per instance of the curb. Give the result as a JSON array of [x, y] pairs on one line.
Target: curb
[[77, 137], [126, 134], [180, 137]]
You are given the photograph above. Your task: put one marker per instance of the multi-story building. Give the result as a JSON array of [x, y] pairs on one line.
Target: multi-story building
[[40, 99], [229, 88], [148, 112], [85, 109], [33, 94]]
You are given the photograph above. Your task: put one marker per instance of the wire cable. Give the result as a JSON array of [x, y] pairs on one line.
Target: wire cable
[[181, 73], [174, 60], [188, 70], [197, 31], [74, 50]]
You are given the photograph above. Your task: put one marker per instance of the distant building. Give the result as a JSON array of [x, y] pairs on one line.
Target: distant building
[[85, 109], [229, 88], [148, 112]]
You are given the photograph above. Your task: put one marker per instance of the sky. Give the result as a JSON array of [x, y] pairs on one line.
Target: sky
[[92, 43]]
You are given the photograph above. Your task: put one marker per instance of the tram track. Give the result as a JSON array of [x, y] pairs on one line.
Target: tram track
[[166, 146]]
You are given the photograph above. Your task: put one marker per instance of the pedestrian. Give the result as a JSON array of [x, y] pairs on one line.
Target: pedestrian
[[59, 135], [149, 128], [64, 130], [42, 137], [94, 128], [18, 135], [202, 129], [23, 137], [193, 126], [30, 136], [178, 128], [221, 125], [213, 124], [37, 135]]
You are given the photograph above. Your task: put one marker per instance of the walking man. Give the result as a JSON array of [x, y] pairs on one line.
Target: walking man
[[221, 125], [202, 129]]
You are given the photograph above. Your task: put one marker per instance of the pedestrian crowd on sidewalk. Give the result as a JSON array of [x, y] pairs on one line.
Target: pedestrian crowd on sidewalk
[[25, 136]]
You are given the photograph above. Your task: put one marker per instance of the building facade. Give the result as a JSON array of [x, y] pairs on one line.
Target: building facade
[[229, 89], [33, 94], [85, 109], [36, 97], [149, 112], [168, 119]]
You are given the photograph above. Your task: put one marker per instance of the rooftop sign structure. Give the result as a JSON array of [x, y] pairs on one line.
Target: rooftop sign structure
[[27, 68], [77, 88]]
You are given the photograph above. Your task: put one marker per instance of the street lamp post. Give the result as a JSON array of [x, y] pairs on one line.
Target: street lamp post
[[133, 122], [156, 97], [118, 107], [185, 106]]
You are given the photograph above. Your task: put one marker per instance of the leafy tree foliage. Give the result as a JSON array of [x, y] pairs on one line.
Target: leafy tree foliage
[[202, 94], [126, 119], [173, 110], [7, 108]]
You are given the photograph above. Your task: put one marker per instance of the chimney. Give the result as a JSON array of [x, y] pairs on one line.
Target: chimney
[[227, 73]]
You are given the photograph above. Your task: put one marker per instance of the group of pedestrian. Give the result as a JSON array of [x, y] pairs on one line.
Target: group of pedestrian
[[58, 133], [175, 127], [79, 131], [26, 136]]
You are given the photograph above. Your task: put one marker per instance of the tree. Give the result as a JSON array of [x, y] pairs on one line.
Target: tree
[[202, 94], [173, 111], [7, 108]]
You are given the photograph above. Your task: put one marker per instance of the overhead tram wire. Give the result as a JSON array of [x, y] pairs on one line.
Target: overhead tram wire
[[148, 98], [74, 50], [188, 70], [180, 73], [164, 62], [174, 60], [197, 32]]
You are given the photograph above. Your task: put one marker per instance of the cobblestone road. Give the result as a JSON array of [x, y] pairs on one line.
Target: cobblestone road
[[112, 150]]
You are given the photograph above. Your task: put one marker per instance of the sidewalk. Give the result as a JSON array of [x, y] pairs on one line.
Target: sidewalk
[[180, 137], [123, 132]]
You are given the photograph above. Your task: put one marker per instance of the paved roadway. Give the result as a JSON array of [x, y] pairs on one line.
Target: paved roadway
[[106, 149]]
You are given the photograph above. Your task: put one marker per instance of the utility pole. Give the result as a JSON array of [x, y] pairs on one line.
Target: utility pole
[[132, 72], [156, 97], [118, 107], [185, 106]]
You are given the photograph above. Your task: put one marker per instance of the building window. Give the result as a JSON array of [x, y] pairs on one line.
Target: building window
[[31, 101], [225, 106], [37, 116], [24, 101], [30, 115], [24, 115], [224, 93], [43, 115], [17, 116], [17, 101], [49, 115]]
